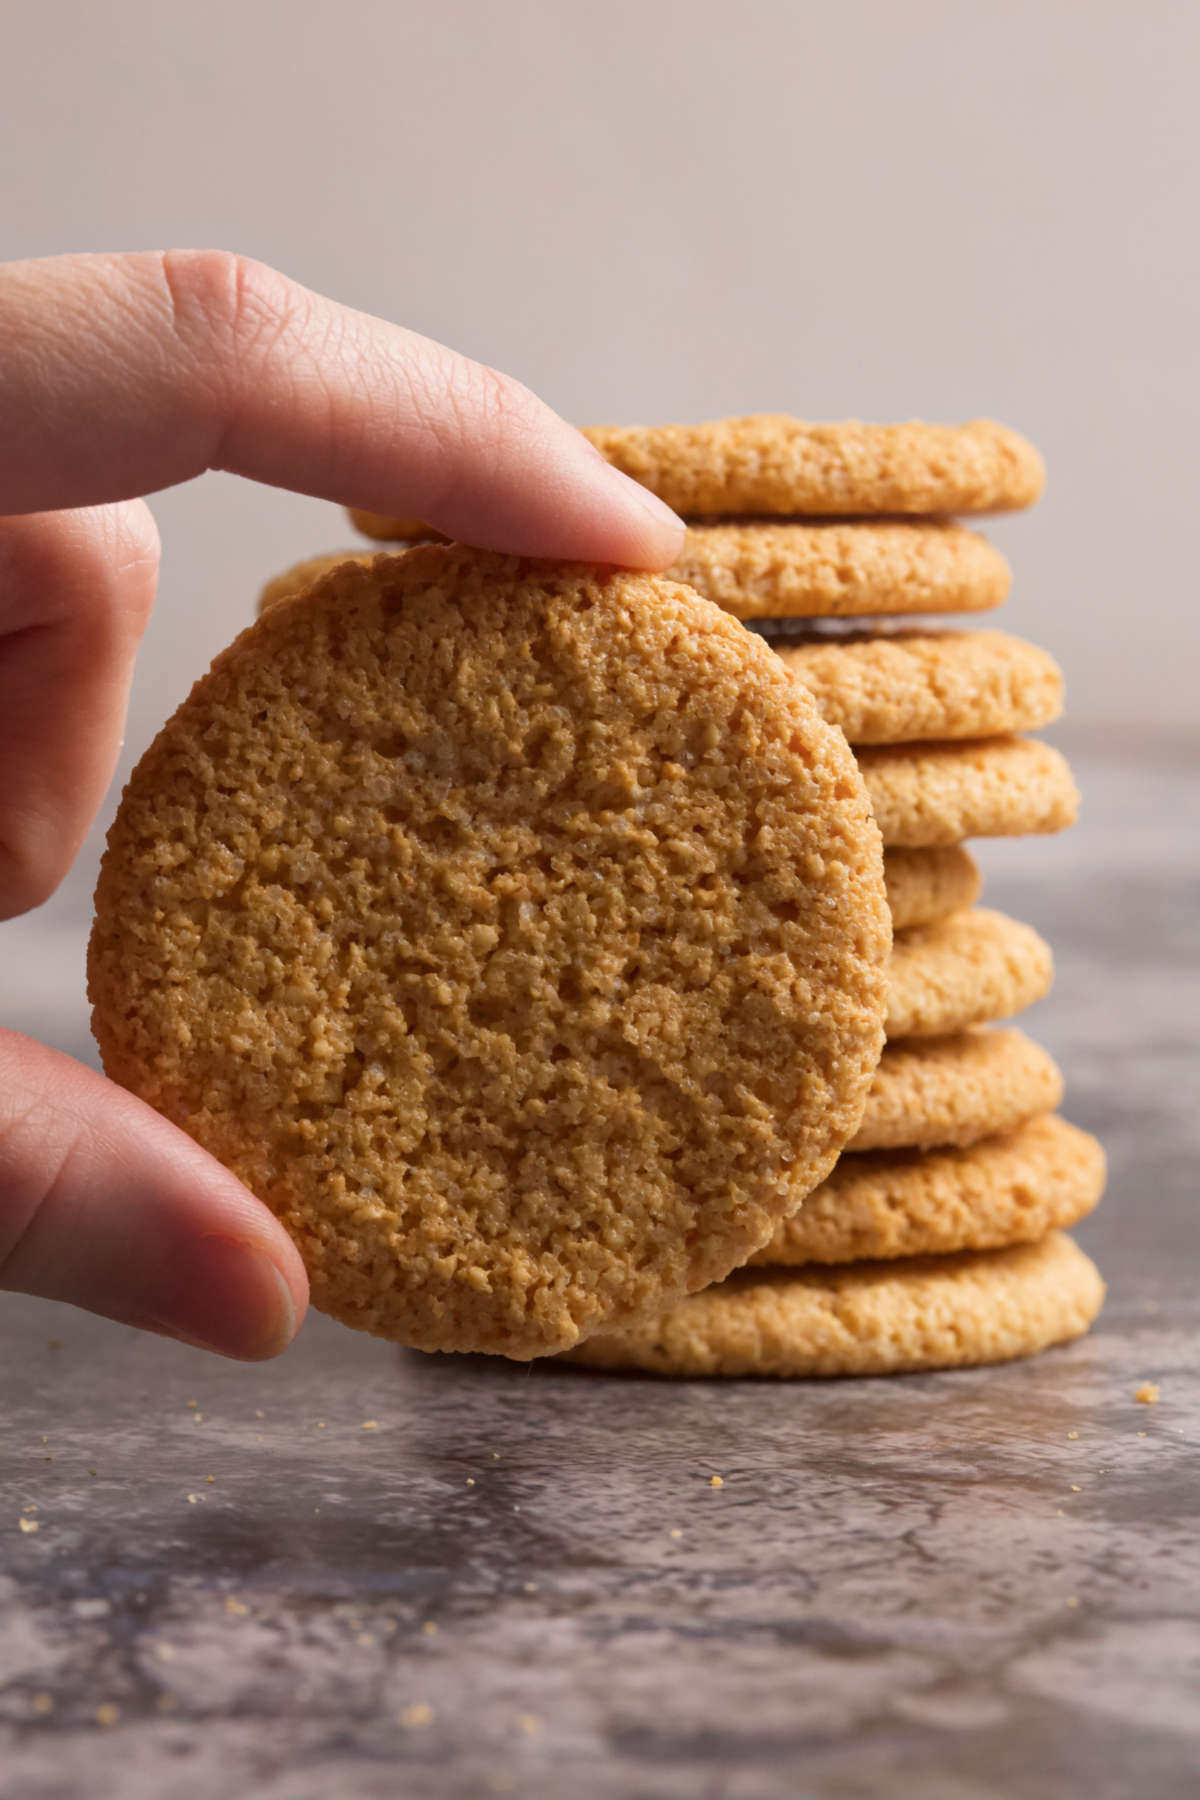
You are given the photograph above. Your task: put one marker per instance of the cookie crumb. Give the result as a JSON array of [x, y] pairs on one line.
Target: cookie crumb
[[320, 1424], [28, 1525], [259, 1415], [193, 1404], [470, 1481], [370, 1425], [1141, 1434], [107, 1715], [42, 1704], [1148, 1393], [193, 1499], [210, 1478], [235, 1606], [716, 1481], [417, 1715], [1072, 1434], [429, 1628], [165, 1652], [365, 1641], [530, 1587], [1074, 1489], [529, 1723], [32, 1507], [675, 1533]]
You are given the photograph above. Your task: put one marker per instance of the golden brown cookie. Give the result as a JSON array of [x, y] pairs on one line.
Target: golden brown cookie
[[967, 969], [931, 1092], [773, 569], [785, 569], [924, 885], [876, 1318], [931, 794], [1008, 1189], [900, 687], [306, 574], [516, 931], [770, 463]]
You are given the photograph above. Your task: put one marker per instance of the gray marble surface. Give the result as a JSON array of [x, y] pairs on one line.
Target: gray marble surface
[[965, 1587]]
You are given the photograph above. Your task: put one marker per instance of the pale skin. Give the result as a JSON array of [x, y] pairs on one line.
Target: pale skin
[[119, 376]]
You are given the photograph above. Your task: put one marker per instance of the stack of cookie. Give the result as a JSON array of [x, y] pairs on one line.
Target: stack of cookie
[[938, 1238]]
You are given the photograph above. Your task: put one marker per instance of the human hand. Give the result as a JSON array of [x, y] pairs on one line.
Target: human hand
[[121, 375]]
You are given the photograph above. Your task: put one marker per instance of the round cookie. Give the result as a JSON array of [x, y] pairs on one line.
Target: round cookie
[[306, 574], [769, 463], [901, 687], [516, 931], [956, 1090], [967, 969], [925, 795], [924, 885], [772, 569], [842, 569], [1008, 1189], [882, 1318]]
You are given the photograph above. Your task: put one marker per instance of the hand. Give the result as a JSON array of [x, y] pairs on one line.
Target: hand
[[120, 375]]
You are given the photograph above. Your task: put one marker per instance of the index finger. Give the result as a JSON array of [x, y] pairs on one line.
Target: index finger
[[124, 374]]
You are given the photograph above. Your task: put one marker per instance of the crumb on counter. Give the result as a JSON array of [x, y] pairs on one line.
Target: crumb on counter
[[1148, 1393]]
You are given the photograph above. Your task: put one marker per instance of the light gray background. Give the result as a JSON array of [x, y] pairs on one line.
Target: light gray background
[[668, 211]]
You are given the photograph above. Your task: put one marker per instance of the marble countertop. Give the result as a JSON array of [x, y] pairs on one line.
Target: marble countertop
[[983, 1585]]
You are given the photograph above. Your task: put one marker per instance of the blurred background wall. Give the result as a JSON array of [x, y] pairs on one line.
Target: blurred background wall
[[663, 211]]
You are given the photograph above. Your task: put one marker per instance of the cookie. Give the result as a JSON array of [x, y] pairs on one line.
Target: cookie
[[1008, 1189], [923, 885], [956, 1090], [926, 795], [880, 1318], [902, 687], [306, 574], [773, 464], [967, 969], [772, 569], [516, 931]]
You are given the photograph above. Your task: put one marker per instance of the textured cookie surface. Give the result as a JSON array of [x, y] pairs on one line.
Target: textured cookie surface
[[967, 969], [306, 574], [769, 463], [901, 687], [882, 1318], [956, 1090], [839, 568], [1009, 1189], [931, 794], [924, 885], [772, 569], [515, 931]]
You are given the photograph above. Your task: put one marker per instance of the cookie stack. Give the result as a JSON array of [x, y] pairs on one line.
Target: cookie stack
[[938, 1238]]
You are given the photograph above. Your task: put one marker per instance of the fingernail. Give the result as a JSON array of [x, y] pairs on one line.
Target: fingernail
[[667, 524], [233, 1300]]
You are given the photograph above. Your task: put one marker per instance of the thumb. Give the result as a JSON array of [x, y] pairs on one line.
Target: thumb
[[105, 1204]]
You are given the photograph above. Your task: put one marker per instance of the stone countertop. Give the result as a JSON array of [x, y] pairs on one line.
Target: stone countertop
[[982, 1585]]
